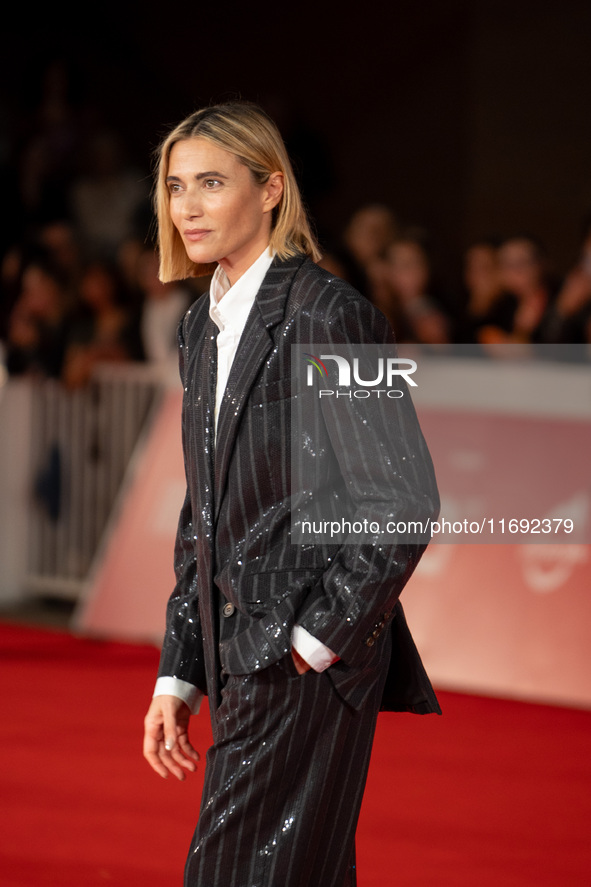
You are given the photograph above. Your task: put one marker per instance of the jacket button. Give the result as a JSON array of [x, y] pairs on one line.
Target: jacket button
[[228, 610], [376, 633], [369, 642]]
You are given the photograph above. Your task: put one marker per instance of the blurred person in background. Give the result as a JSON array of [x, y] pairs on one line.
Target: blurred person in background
[[11, 272], [38, 323], [369, 233], [407, 299], [60, 241], [163, 306], [129, 254], [103, 329], [525, 281], [108, 198], [569, 318], [52, 246], [483, 290]]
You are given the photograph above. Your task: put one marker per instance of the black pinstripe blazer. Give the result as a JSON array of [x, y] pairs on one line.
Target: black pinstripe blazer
[[233, 542]]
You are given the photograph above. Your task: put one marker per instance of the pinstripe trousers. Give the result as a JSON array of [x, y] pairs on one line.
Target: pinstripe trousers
[[284, 782]]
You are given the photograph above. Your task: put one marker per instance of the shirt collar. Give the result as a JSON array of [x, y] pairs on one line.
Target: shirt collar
[[229, 305]]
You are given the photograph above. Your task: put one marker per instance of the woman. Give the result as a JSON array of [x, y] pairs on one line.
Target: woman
[[287, 640]]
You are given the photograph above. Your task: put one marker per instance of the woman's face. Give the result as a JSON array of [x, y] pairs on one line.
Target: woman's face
[[220, 212], [97, 288], [369, 233], [409, 269], [40, 293], [520, 269], [481, 268]]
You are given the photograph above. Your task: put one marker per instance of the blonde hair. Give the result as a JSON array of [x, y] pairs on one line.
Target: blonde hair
[[245, 130]]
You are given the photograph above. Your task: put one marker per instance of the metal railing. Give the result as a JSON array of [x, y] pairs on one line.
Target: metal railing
[[82, 443]]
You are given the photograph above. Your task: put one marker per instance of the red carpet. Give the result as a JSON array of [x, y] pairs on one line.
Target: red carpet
[[493, 793]]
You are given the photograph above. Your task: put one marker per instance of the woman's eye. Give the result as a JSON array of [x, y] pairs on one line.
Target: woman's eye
[[211, 183]]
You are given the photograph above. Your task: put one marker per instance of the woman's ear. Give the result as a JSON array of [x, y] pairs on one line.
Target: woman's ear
[[273, 190]]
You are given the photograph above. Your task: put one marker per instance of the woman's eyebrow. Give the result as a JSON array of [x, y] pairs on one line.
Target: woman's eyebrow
[[200, 175]]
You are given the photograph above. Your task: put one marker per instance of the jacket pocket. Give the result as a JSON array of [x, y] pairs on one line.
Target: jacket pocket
[[259, 593]]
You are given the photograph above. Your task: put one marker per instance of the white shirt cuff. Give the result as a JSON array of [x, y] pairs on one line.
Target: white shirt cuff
[[190, 694], [311, 649]]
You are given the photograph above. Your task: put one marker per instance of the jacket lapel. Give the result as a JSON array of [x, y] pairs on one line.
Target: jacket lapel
[[267, 311], [198, 407]]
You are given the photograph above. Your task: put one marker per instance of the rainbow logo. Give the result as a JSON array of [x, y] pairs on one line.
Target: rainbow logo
[[314, 361]]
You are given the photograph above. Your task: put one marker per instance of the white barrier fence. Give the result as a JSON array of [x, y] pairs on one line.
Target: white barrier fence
[[70, 450]]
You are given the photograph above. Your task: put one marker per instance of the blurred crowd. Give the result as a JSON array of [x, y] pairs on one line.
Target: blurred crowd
[[68, 311], [507, 293], [68, 307], [79, 280]]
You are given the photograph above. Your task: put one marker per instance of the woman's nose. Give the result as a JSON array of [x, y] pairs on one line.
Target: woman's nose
[[192, 206]]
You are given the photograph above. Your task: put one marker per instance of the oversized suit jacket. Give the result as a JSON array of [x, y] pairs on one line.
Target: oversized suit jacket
[[241, 582]]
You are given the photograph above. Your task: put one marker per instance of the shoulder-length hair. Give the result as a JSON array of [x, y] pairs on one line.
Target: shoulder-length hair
[[245, 130]]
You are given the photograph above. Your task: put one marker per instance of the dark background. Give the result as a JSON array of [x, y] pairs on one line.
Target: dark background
[[467, 118]]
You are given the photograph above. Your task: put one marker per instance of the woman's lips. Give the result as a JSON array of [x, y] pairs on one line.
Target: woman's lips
[[196, 234]]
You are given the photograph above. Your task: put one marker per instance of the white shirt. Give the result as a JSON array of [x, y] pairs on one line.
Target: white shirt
[[229, 307]]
